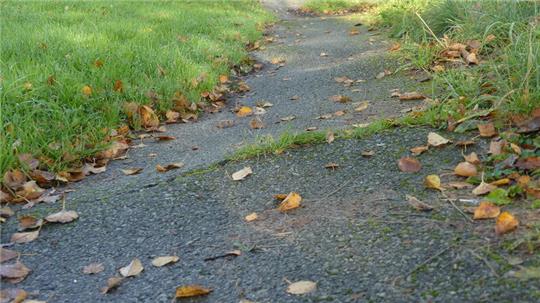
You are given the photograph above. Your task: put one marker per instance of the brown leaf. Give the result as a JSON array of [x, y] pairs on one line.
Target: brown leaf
[[330, 137], [340, 99], [472, 158], [292, 201], [118, 86], [28, 160], [331, 165], [416, 151], [24, 237], [409, 165], [168, 167], [417, 204], [13, 295], [367, 153], [301, 287], [242, 174], [529, 163], [63, 216], [6, 212], [132, 269], [256, 123], [465, 169], [483, 188], [459, 185], [435, 139], [93, 268], [149, 119], [112, 283], [324, 117], [339, 113], [311, 128], [98, 63], [172, 116], [354, 32], [433, 181], [223, 79], [164, 260], [188, 291], [362, 106], [251, 217], [280, 197], [14, 178], [29, 222], [225, 124], [165, 138], [486, 210], [411, 96], [7, 254], [288, 118], [86, 90], [14, 271], [131, 171], [487, 130], [506, 223], [465, 143], [496, 147]]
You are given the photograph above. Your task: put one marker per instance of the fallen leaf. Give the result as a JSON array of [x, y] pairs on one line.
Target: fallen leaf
[[132, 269], [483, 188], [225, 124], [7, 254], [29, 222], [292, 201], [13, 295], [416, 151], [148, 117], [487, 130], [465, 143], [323, 54], [14, 178], [496, 147], [433, 181], [409, 165], [411, 96], [188, 291], [367, 153], [6, 212], [363, 106], [118, 86], [394, 47], [331, 165], [340, 98], [417, 204], [506, 223], [339, 113], [472, 158], [301, 287], [112, 283], [232, 253], [515, 148], [527, 273], [24, 237], [259, 111], [295, 97], [131, 171], [256, 123], [486, 210], [465, 169], [168, 167], [500, 182], [63, 216], [354, 32], [162, 261], [324, 117], [93, 268], [86, 90], [14, 271], [330, 137], [435, 139], [30, 191], [251, 217], [223, 79], [242, 174], [165, 138], [280, 197], [459, 185], [288, 118], [311, 128], [529, 163], [172, 116], [88, 169]]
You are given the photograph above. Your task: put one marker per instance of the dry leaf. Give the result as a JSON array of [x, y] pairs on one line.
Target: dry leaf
[[93, 268], [417, 204], [162, 261], [301, 287], [131, 171], [331, 165], [459, 185], [244, 111], [256, 123], [118, 86], [506, 222], [172, 116], [14, 271], [354, 32], [62, 216], [288, 118], [486, 210], [465, 169], [416, 151], [132, 269], [330, 137], [323, 54], [149, 119], [164, 138], [472, 158], [363, 106], [24, 237], [241, 174], [433, 181], [112, 283], [339, 113], [411, 96], [225, 124], [7, 254], [367, 153], [340, 99], [29, 222], [14, 178], [435, 139], [292, 201], [483, 188], [168, 167], [188, 291], [13, 295], [409, 165], [251, 217], [503, 181], [86, 90], [223, 79], [295, 97], [324, 117], [496, 147], [487, 130]]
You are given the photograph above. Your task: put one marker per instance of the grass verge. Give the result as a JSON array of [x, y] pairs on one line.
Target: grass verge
[[332, 7], [69, 66]]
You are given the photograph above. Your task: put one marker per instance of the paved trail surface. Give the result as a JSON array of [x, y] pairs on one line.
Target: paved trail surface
[[355, 236]]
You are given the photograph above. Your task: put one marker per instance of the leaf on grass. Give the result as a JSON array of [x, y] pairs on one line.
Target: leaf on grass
[[244, 111], [148, 117], [256, 123], [529, 163], [132, 269], [292, 201], [251, 217], [330, 137], [14, 178], [472, 158], [242, 174], [86, 90], [168, 167], [487, 130], [416, 151], [164, 260], [172, 116], [29, 222], [131, 171], [24, 237], [465, 169], [7, 254], [506, 223], [486, 210], [499, 196], [194, 290], [93, 268], [411, 96], [362, 106], [435, 139], [459, 185], [417, 204], [433, 181], [63, 216], [118, 86], [527, 273], [112, 283], [16, 271], [409, 165], [483, 189], [503, 181], [301, 287]]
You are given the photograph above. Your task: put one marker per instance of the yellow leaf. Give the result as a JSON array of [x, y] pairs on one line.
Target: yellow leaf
[[506, 222], [149, 119], [223, 79], [465, 169], [486, 210], [292, 201], [433, 181], [251, 217], [244, 111], [87, 90], [191, 291]]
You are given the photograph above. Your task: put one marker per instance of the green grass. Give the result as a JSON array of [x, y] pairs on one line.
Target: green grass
[[157, 46], [337, 6]]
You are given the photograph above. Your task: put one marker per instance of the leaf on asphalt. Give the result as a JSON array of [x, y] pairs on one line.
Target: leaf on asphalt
[[13, 295], [411, 96], [188, 291], [409, 165], [132, 269], [164, 260], [340, 98], [251, 217], [256, 123], [362, 106], [367, 153], [472, 158], [459, 185], [311, 128], [148, 117], [324, 117], [483, 188], [88, 169], [487, 130], [232, 253], [435, 139], [280, 197], [242, 174], [301, 287], [16, 271], [339, 113], [30, 191], [24, 237], [323, 54], [486, 210], [164, 138], [6, 211], [330, 137], [288, 118], [112, 283], [292, 201], [93, 268], [86, 90], [63, 216], [465, 169], [527, 273], [465, 143], [131, 171], [506, 223], [433, 181], [417, 204], [295, 97], [331, 165], [166, 168], [225, 124], [416, 151], [7, 254], [29, 222], [354, 32], [244, 111]]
